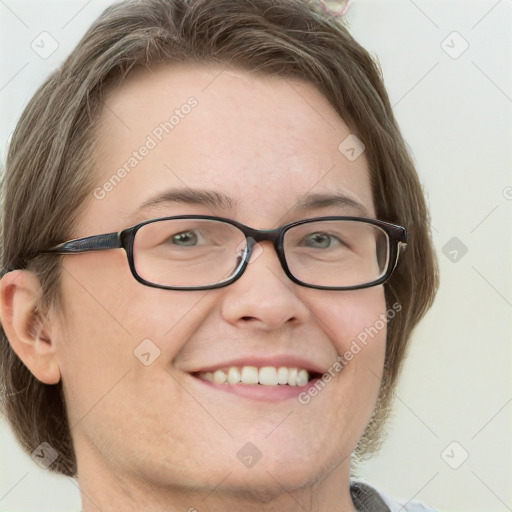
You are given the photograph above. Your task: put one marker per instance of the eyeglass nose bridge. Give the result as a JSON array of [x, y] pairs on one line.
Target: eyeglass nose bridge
[[254, 236]]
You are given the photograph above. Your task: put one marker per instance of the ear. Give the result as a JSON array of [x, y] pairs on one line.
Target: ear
[[27, 331]]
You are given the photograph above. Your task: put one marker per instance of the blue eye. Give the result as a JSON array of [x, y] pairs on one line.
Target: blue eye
[[324, 240]]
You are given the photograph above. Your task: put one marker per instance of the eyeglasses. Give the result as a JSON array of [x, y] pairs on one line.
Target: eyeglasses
[[201, 252]]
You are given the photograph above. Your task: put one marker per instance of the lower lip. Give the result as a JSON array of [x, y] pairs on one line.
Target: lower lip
[[259, 391]]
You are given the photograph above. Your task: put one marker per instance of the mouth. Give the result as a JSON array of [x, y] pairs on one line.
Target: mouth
[[267, 376], [271, 378]]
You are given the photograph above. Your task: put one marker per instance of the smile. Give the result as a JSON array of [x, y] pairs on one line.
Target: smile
[[265, 376]]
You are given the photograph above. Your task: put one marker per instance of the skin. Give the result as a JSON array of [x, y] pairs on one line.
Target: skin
[[155, 438]]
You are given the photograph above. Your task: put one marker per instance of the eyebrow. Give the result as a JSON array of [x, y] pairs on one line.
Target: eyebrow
[[221, 201], [325, 200]]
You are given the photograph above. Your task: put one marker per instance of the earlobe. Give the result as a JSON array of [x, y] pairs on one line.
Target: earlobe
[[27, 331]]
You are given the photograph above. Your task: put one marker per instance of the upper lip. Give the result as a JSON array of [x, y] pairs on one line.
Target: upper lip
[[290, 361]]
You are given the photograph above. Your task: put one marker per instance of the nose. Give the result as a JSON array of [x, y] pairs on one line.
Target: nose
[[264, 296]]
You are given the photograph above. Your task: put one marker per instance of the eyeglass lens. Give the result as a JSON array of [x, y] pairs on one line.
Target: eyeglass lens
[[201, 252]]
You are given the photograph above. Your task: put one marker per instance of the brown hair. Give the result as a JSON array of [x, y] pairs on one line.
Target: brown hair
[[49, 174]]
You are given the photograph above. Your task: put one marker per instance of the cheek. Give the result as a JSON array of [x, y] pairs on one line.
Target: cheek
[[358, 315], [355, 322], [104, 301], [110, 321], [95, 337], [95, 353]]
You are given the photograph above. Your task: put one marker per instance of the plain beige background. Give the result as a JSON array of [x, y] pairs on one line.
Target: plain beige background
[[447, 67]]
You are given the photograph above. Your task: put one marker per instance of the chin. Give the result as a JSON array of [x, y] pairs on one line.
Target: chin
[[274, 473], [265, 485]]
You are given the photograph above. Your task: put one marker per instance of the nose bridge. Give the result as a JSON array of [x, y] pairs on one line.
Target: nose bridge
[[262, 235], [262, 296], [255, 236]]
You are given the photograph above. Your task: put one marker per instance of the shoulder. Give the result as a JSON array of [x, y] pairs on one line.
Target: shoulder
[[363, 493]]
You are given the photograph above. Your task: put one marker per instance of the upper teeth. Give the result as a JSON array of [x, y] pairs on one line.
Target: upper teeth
[[267, 375]]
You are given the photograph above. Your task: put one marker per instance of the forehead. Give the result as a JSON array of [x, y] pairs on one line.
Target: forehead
[[266, 142]]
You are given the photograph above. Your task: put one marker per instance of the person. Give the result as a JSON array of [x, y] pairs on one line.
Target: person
[[215, 248]]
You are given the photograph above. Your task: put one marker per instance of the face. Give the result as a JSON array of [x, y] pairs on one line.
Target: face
[[266, 143]]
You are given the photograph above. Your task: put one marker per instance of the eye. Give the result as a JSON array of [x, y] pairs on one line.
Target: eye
[[185, 238], [321, 240]]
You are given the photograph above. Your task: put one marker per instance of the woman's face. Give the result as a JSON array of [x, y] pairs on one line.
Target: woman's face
[[127, 351]]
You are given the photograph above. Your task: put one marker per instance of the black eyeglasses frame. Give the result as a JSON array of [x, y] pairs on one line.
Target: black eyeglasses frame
[[397, 239]]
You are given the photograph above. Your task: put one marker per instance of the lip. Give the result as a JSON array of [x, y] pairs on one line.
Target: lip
[[257, 391], [290, 361]]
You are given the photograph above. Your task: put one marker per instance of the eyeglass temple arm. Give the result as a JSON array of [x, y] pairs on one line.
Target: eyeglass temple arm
[[89, 243], [401, 238]]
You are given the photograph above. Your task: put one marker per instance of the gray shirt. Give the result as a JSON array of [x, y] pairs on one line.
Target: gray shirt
[[368, 499]]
